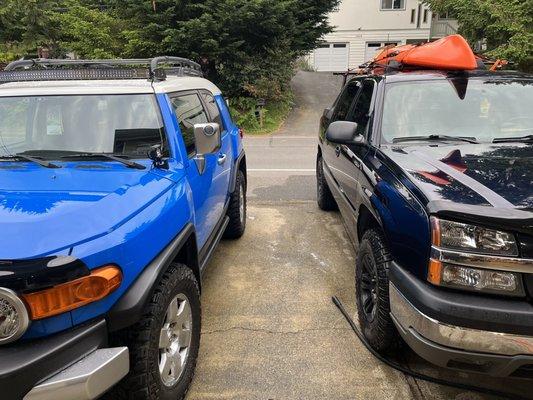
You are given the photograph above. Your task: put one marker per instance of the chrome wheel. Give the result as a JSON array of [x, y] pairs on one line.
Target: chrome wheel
[[175, 340]]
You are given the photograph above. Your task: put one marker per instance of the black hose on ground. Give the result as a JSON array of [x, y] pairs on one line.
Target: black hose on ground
[[414, 374]]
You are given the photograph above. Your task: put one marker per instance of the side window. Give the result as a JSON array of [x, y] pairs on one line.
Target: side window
[[361, 109], [189, 111], [345, 101], [212, 108]]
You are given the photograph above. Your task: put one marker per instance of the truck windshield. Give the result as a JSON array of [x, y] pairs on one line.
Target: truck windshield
[[480, 109], [126, 125]]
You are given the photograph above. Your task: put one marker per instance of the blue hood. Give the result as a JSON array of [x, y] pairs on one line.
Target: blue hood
[[46, 211]]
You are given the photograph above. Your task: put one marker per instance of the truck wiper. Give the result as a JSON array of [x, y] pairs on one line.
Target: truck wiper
[[519, 139], [435, 137], [128, 163], [37, 160]]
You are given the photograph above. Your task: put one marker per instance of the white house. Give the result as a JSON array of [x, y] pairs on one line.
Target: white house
[[362, 27]]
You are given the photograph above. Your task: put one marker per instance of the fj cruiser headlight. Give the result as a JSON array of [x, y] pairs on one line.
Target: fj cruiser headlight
[[456, 235], [14, 319], [475, 279]]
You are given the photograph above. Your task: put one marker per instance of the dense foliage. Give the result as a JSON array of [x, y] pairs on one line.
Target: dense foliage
[[505, 25], [247, 46]]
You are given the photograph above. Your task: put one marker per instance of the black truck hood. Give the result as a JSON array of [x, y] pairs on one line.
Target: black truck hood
[[497, 175]]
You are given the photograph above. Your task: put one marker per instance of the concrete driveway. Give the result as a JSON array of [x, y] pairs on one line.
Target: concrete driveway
[[270, 330]]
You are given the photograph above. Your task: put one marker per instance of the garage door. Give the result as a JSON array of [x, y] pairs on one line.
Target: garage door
[[373, 48], [331, 57]]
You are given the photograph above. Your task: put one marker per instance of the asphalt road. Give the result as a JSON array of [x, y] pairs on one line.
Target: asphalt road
[[270, 330], [282, 166]]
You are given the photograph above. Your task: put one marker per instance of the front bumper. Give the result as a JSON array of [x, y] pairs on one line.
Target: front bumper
[[433, 335], [70, 365]]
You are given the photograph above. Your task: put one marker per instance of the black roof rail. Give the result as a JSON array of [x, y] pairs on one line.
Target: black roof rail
[[157, 68]]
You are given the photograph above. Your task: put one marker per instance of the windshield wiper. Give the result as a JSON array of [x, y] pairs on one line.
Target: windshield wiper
[[519, 139], [435, 137], [128, 163], [37, 160]]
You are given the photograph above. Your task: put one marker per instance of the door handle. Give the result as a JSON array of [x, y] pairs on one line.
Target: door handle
[[222, 159], [338, 151]]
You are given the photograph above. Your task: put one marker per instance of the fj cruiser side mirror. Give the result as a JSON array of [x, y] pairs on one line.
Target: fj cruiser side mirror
[[208, 140], [156, 155], [344, 132]]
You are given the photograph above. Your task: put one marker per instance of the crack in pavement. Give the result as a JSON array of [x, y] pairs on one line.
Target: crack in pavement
[[268, 331]]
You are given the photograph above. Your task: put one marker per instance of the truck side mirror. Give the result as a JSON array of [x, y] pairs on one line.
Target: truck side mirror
[[208, 140], [344, 132]]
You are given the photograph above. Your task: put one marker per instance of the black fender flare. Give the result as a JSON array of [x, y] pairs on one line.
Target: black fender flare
[[128, 309], [233, 180]]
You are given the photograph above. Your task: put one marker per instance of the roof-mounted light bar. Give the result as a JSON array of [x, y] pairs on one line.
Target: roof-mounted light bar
[[73, 74], [55, 69]]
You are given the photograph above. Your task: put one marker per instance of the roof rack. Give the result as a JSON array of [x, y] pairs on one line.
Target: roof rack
[[157, 68]]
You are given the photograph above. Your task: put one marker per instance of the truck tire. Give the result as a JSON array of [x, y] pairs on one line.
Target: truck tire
[[237, 209], [164, 344], [324, 197], [372, 292]]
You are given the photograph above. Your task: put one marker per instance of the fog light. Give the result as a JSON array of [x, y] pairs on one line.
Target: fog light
[[474, 279], [14, 319]]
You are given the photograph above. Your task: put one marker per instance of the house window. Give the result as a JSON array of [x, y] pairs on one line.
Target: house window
[[413, 15], [425, 16], [445, 15], [392, 4]]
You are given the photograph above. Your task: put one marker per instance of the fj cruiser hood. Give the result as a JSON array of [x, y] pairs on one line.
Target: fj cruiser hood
[[46, 211]]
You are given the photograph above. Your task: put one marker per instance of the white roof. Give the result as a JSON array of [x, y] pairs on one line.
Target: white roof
[[122, 86]]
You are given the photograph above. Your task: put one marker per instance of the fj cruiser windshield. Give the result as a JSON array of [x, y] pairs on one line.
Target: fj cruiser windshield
[[480, 109], [126, 125]]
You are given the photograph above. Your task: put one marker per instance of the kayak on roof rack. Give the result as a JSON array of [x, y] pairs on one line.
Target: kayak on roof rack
[[449, 53]]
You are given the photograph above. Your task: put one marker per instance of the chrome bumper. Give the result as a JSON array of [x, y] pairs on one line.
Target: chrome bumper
[[456, 337], [86, 379]]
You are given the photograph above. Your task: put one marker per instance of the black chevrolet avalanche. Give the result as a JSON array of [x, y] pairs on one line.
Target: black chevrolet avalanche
[[433, 174]]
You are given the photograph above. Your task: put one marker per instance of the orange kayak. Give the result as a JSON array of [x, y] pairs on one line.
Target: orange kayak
[[449, 53]]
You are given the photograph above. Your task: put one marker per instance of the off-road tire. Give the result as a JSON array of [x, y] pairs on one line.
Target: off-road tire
[[324, 197], [379, 331], [144, 380], [236, 214]]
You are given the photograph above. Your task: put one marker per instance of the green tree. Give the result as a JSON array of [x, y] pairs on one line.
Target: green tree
[[248, 47], [505, 25], [88, 31], [24, 28]]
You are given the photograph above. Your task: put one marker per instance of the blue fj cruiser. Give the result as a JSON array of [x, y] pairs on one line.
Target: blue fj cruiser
[[118, 178]]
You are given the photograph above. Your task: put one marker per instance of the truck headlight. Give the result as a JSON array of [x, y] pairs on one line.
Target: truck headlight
[[456, 235], [14, 319], [475, 279]]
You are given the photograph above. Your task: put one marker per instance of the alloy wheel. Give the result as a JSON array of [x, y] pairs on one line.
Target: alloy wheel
[[175, 340]]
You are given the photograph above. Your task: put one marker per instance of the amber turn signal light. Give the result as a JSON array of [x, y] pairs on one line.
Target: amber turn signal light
[[71, 295], [435, 272], [435, 232]]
